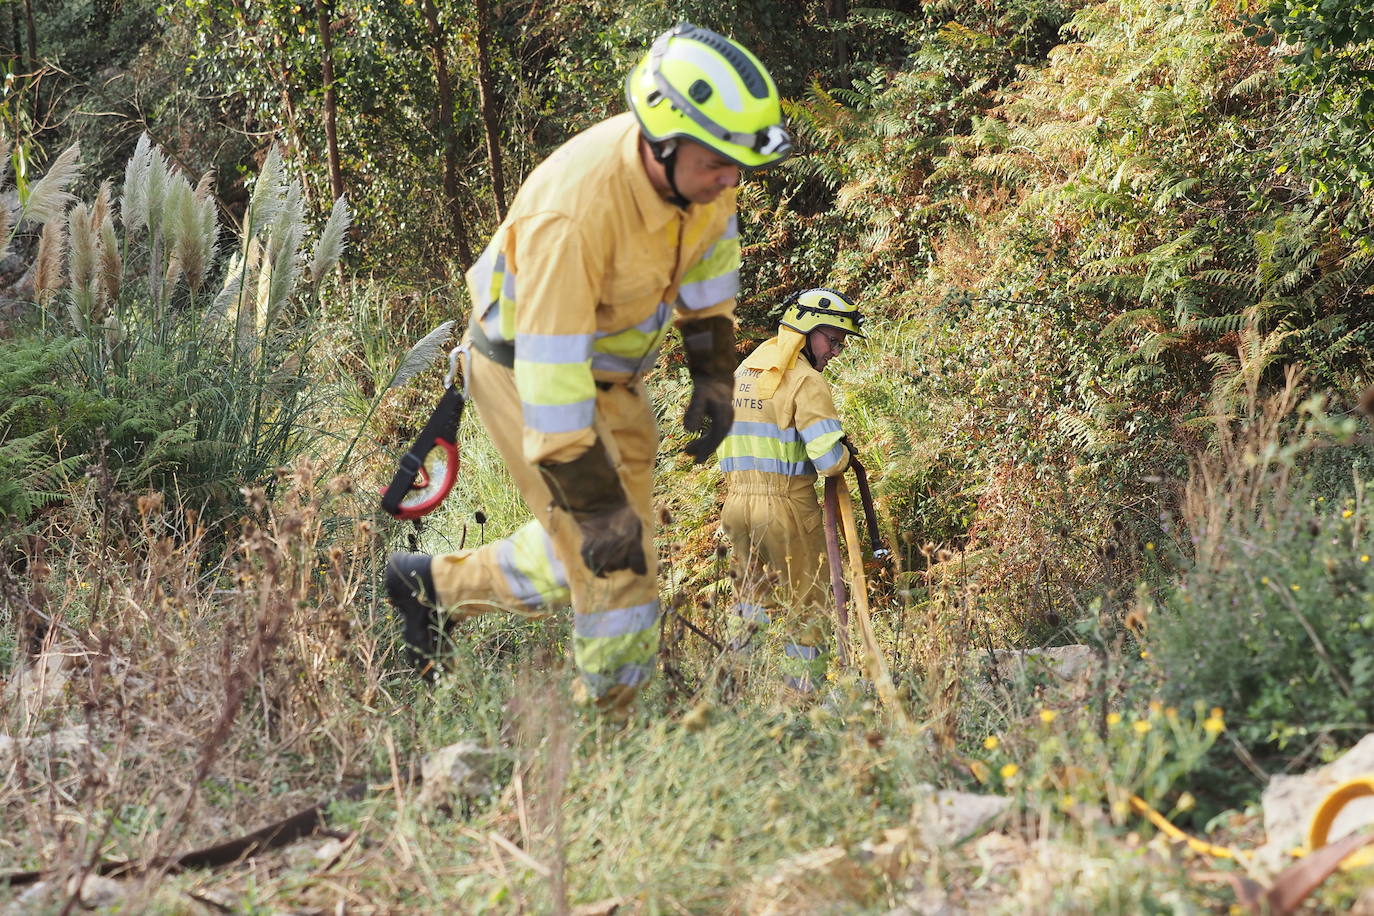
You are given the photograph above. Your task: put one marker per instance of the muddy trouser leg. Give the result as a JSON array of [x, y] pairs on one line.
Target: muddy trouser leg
[[615, 618], [778, 536]]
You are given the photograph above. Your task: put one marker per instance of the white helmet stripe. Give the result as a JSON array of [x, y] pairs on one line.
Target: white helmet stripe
[[719, 73]]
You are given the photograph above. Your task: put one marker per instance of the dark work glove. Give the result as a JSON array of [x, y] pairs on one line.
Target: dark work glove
[[612, 540], [589, 489], [710, 348]]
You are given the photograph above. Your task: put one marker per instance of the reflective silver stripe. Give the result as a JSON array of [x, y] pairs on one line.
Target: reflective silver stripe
[[559, 418], [829, 459], [626, 676], [650, 325], [555, 565], [621, 622], [764, 430], [820, 428], [483, 271], [753, 613], [768, 466], [553, 348], [799, 683], [654, 322], [520, 585], [607, 362], [634, 365], [797, 650], [491, 323], [705, 293]]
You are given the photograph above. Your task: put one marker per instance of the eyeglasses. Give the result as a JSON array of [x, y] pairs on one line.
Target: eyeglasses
[[836, 342]]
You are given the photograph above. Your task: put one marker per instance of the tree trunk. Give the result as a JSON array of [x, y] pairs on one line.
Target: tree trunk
[[487, 101], [331, 136], [836, 11], [33, 61], [438, 40], [15, 51]]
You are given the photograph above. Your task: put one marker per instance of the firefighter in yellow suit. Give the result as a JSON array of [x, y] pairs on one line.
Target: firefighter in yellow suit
[[624, 231], [786, 432]]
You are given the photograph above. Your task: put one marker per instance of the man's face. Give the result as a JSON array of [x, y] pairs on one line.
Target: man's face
[[826, 343], [701, 174]]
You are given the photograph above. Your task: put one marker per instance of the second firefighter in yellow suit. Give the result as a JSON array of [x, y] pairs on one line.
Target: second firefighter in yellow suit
[[625, 231], [786, 433]]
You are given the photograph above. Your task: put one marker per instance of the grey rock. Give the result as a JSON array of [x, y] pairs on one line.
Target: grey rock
[[945, 817], [464, 769]]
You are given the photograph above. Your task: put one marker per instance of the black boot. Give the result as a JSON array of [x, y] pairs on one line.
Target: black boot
[[410, 586]]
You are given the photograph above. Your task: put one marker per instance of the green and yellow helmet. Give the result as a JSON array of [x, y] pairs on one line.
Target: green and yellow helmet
[[698, 85], [822, 308]]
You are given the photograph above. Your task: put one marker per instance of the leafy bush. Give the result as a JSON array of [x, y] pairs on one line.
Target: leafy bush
[[1272, 616], [185, 369]]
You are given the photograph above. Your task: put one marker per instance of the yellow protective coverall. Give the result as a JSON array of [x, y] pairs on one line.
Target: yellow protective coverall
[[584, 277], [786, 432]]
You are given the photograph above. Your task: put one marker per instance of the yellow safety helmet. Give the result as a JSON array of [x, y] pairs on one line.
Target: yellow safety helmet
[[698, 85], [822, 308]]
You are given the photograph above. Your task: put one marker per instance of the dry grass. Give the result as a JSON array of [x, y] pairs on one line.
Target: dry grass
[[185, 688]]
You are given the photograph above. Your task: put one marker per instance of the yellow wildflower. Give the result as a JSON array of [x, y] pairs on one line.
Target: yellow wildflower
[[1155, 707], [1215, 712], [1149, 545], [1144, 653], [1214, 725], [1066, 802], [1170, 713], [1047, 715], [991, 742], [1347, 513], [1009, 771], [1141, 726], [1113, 718], [1295, 586], [1264, 580], [1364, 558]]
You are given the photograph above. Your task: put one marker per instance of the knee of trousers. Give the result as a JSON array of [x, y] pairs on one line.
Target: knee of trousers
[[520, 572]]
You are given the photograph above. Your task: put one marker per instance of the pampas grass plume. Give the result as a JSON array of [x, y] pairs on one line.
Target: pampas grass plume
[[180, 229], [83, 253], [228, 294], [111, 272], [266, 201], [329, 248], [48, 197], [100, 210], [159, 180], [283, 248], [206, 222], [134, 206], [52, 250], [6, 224]]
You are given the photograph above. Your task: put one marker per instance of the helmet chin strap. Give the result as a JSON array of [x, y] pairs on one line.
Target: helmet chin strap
[[665, 153]]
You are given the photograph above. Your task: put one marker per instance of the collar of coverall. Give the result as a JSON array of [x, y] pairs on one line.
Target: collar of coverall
[[773, 358], [654, 211]]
